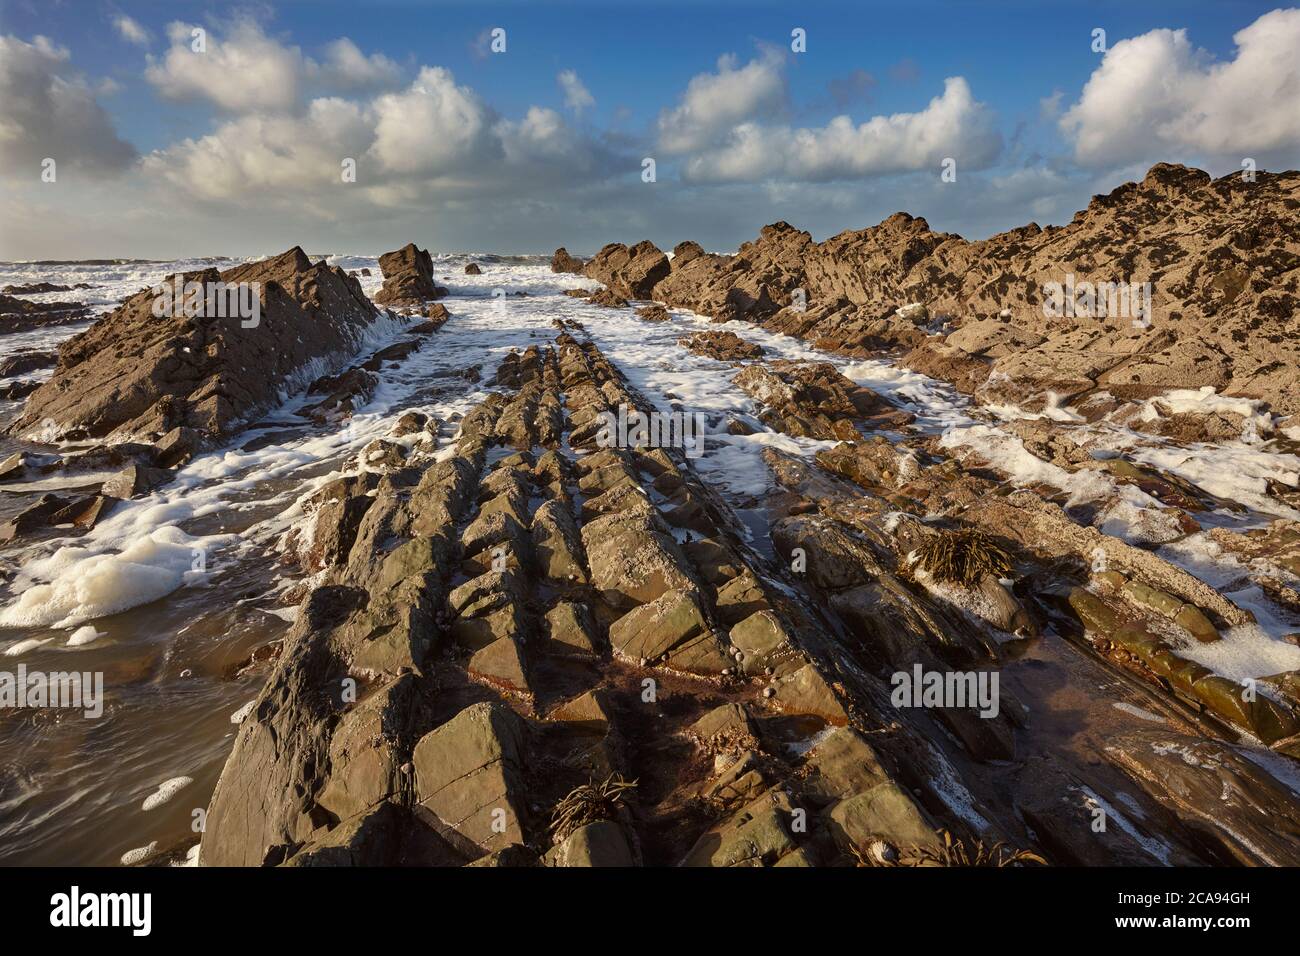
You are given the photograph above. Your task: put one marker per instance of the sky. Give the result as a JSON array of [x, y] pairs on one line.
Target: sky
[[170, 129]]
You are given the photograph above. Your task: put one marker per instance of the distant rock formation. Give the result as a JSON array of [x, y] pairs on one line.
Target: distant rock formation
[[563, 262], [19, 315], [408, 277], [135, 373], [1222, 259], [37, 288], [631, 271]]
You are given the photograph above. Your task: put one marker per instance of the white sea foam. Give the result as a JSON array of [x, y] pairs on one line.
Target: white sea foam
[[140, 854], [166, 790], [22, 647], [84, 635], [239, 716]]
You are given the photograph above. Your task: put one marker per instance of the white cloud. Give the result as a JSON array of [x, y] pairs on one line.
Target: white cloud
[[952, 125], [1049, 107], [242, 71], [131, 30], [715, 102], [256, 156], [543, 139], [1154, 94], [48, 111], [432, 127], [346, 67], [432, 140], [576, 96]]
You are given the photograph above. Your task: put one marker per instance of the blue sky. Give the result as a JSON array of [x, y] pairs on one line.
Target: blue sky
[[569, 173]]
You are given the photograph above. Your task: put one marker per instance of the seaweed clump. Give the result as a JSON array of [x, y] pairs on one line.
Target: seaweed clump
[[963, 557]]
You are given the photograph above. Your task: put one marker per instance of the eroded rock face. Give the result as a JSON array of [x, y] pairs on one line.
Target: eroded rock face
[[1219, 793], [504, 611], [724, 346], [563, 262], [468, 774], [632, 272], [1222, 258], [134, 373], [19, 315], [808, 399], [408, 277]]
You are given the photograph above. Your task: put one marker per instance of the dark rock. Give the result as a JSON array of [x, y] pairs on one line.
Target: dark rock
[[135, 481], [13, 391], [27, 361], [135, 372], [19, 315], [36, 288], [630, 272], [408, 277], [563, 262]]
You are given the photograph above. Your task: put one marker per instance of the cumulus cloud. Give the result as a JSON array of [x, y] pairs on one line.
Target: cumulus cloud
[[1049, 107], [131, 30], [576, 96], [46, 110], [953, 125], [432, 139], [242, 71], [346, 67], [257, 155], [1154, 95], [543, 141], [433, 126], [715, 102]]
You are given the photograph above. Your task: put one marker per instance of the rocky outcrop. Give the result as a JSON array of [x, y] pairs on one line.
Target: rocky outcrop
[[630, 271], [550, 648], [136, 373], [724, 346], [563, 262], [408, 277], [810, 400], [1222, 258], [407, 720], [37, 288], [19, 315], [26, 360]]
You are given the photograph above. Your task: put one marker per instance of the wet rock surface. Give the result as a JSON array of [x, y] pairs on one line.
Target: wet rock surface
[[408, 277], [563, 262], [134, 373], [20, 315], [1220, 255], [533, 652], [397, 719], [873, 619]]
